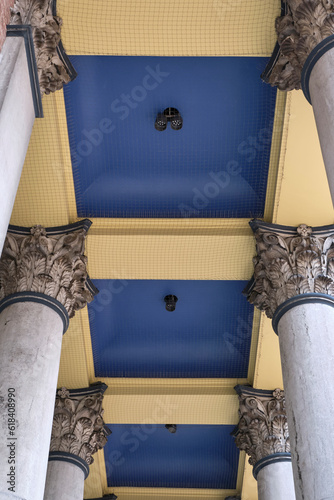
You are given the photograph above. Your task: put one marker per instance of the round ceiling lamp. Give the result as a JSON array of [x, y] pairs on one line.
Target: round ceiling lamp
[[170, 301], [171, 115]]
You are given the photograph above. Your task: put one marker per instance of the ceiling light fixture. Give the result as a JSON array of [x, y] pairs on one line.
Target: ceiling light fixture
[[171, 115], [171, 428], [170, 301]]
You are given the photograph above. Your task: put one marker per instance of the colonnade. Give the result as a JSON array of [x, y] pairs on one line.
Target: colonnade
[[293, 268], [293, 284], [43, 281]]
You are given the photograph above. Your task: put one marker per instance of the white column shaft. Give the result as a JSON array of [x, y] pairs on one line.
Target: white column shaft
[[275, 482], [306, 336], [64, 481], [321, 87], [9, 496], [30, 344], [17, 116]]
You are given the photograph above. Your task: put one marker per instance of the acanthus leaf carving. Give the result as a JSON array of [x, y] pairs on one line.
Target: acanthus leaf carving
[[290, 263], [46, 27], [262, 430], [299, 31], [78, 426], [51, 264]]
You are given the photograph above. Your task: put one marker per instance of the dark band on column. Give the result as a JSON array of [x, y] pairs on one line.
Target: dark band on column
[[298, 300], [63, 456], [310, 62], [40, 298], [25, 31], [271, 459], [55, 230]]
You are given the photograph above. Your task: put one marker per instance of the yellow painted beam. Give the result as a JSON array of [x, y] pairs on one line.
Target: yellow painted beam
[[249, 483], [304, 196], [219, 249], [268, 371], [169, 27], [94, 484], [167, 386], [191, 409], [169, 493], [73, 371], [277, 152], [46, 191]]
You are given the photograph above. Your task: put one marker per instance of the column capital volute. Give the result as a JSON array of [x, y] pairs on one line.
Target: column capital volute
[[290, 262], [78, 429], [53, 66], [46, 262], [303, 25], [262, 430]]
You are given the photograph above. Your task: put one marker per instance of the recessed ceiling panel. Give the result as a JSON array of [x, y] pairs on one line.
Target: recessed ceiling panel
[[196, 456], [215, 166], [134, 335]]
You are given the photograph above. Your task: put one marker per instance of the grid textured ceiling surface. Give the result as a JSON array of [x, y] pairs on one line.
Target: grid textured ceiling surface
[[216, 246]]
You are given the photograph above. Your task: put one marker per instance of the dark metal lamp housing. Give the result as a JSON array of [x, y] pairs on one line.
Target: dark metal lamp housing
[[171, 428], [170, 301], [171, 115]]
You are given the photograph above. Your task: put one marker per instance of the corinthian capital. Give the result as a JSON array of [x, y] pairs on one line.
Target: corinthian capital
[[305, 24], [78, 429], [262, 430], [289, 262], [53, 69], [47, 261]]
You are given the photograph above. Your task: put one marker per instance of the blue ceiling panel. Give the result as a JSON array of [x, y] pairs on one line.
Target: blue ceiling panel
[[196, 456], [215, 166], [133, 335]]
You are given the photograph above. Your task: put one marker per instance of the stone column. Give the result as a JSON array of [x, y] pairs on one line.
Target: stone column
[[306, 58], [17, 116], [17, 112], [263, 434], [43, 281], [78, 432], [294, 284]]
